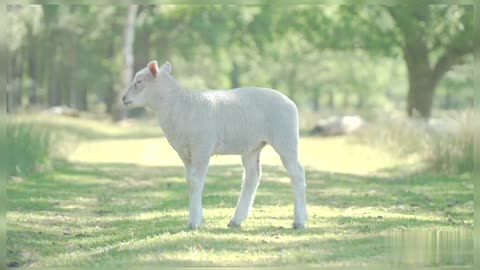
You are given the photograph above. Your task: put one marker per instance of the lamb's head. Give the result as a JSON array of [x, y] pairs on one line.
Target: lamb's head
[[145, 82]]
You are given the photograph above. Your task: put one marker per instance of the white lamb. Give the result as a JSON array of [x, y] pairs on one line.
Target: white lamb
[[199, 124]]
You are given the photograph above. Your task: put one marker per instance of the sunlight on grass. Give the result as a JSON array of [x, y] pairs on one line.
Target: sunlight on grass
[[334, 154]]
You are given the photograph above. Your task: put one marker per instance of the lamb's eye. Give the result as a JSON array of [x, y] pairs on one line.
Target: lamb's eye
[[139, 81]]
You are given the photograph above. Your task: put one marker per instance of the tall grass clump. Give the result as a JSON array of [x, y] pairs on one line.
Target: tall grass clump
[[400, 136], [446, 144], [453, 151], [27, 147]]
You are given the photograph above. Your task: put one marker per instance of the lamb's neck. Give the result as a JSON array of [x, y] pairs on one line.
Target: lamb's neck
[[171, 105]]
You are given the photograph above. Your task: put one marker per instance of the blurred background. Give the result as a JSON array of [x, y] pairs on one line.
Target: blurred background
[[330, 59]]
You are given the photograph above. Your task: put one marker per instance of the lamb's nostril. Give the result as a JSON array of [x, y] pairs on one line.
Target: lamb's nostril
[[124, 98]]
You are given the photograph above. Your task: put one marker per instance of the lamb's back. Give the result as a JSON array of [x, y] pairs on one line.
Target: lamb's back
[[258, 99], [252, 110]]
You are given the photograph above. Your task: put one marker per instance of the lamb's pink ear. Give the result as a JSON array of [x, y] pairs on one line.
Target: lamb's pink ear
[[153, 67], [167, 67]]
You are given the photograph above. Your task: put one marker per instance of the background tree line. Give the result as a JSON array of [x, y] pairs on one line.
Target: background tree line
[[332, 58]]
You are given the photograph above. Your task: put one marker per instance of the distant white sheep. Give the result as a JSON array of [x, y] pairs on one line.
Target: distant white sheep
[[338, 125], [199, 124]]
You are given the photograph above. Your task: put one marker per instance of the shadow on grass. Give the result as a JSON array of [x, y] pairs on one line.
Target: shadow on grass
[[113, 214]]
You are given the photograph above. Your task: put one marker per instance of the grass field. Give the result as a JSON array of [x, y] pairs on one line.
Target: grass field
[[119, 198]]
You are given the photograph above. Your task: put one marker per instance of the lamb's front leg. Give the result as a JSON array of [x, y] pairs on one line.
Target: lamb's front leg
[[196, 172], [251, 179]]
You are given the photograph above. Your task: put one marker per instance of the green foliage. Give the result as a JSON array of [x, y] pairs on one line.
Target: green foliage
[[459, 78], [28, 147], [347, 27]]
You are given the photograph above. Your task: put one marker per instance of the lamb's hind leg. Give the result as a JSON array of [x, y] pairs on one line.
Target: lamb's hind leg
[[251, 178], [297, 177], [289, 156]]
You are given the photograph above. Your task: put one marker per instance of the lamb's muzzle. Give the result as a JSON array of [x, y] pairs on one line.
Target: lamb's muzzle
[[125, 101]]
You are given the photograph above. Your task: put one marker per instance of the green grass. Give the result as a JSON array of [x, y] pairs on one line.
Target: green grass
[[118, 200]]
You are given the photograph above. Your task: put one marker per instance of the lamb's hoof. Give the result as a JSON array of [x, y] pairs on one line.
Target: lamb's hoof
[[233, 224], [298, 226], [194, 227]]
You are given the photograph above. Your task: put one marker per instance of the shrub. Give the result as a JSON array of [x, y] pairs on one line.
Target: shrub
[[454, 151], [446, 144], [27, 147]]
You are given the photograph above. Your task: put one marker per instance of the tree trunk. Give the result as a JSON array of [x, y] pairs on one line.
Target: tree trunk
[[11, 81], [54, 96], [331, 100], [73, 93], [50, 66], [67, 87], [82, 102], [290, 84], [32, 69], [109, 99], [361, 100], [235, 75], [346, 100], [143, 56], [448, 101], [20, 77], [71, 90], [110, 95], [119, 110], [421, 81], [16, 80], [316, 97], [44, 68], [420, 97]]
